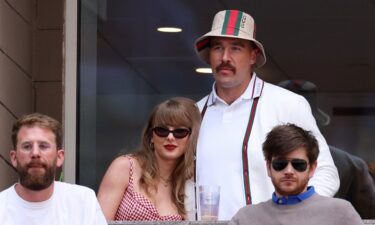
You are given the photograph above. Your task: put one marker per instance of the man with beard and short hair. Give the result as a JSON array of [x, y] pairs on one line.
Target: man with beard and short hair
[[37, 198], [356, 184], [291, 157]]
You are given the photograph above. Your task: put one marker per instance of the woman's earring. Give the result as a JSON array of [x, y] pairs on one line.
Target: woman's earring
[[152, 146]]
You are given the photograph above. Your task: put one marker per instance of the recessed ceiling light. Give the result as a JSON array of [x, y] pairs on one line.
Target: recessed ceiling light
[[169, 29], [203, 70]]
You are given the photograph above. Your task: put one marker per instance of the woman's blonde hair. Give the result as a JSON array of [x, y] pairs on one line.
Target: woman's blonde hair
[[175, 112]]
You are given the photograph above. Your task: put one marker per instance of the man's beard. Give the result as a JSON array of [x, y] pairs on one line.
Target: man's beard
[[36, 180], [298, 189]]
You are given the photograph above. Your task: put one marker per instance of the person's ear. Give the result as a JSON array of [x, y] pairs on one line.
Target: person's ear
[[253, 56], [268, 168], [60, 157], [312, 168], [13, 158]]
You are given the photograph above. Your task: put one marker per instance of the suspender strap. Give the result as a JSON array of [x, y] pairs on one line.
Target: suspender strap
[[257, 90], [205, 107], [245, 163]]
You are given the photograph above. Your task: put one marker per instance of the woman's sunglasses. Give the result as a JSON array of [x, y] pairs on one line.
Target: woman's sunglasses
[[177, 133], [298, 164]]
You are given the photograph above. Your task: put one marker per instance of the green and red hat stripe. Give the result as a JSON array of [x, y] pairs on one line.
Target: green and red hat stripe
[[232, 20], [203, 44]]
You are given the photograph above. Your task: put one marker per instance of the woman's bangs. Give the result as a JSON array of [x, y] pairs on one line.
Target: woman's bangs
[[169, 117]]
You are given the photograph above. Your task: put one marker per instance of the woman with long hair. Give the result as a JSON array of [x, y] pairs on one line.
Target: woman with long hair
[[150, 184]]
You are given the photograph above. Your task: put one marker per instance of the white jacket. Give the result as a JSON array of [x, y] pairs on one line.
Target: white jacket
[[219, 159]]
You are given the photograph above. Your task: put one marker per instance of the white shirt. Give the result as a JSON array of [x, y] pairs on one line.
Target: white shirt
[[219, 151], [69, 204]]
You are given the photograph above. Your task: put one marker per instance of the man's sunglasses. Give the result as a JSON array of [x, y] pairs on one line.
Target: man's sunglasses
[[177, 133], [298, 164]]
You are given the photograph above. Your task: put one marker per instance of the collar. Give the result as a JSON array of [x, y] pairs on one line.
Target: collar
[[293, 199], [253, 90]]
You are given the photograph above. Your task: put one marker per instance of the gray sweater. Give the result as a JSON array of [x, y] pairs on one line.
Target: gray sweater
[[315, 210]]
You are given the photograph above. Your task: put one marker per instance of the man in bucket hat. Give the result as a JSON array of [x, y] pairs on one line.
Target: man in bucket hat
[[240, 111]]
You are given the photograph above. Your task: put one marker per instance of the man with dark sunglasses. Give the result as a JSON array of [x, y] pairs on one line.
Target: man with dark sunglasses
[[291, 156], [356, 184]]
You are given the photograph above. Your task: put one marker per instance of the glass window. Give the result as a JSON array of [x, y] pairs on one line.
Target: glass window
[[126, 67]]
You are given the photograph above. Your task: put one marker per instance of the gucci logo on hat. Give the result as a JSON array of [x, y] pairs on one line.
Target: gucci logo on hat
[[232, 24]]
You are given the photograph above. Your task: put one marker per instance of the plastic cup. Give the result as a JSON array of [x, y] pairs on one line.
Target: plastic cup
[[209, 199]]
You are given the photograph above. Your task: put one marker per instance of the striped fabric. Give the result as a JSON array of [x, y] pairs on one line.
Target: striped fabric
[[230, 24], [232, 21], [205, 43], [136, 207]]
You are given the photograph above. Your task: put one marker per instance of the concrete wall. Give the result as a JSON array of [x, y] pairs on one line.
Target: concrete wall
[[30, 66], [47, 63]]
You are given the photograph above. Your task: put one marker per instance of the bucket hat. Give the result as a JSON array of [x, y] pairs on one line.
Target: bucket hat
[[232, 24]]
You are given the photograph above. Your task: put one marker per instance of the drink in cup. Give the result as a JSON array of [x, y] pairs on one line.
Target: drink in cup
[[209, 198]]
